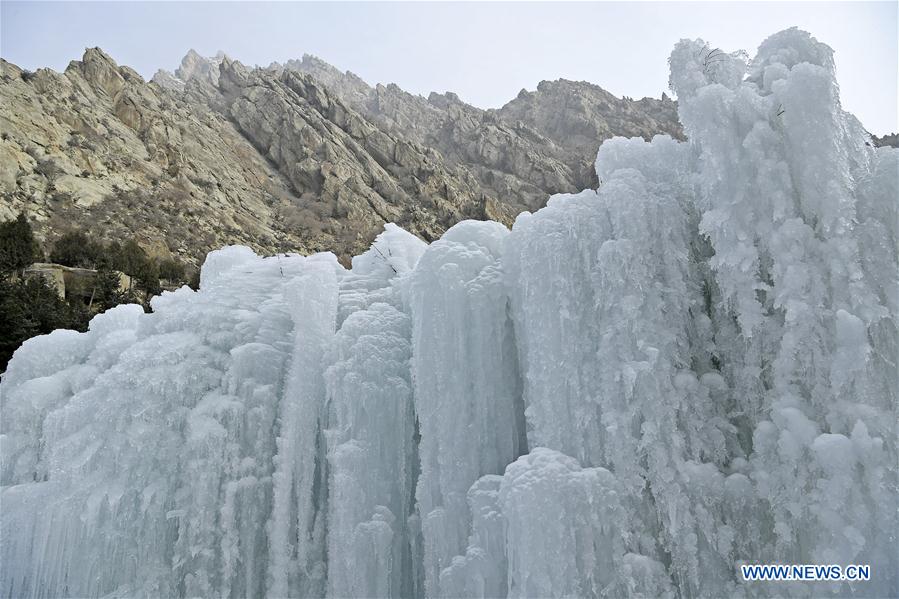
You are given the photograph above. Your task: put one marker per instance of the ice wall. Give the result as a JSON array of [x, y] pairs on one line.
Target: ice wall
[[634, 391]]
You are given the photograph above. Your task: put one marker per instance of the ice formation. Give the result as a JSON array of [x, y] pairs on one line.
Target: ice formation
[[634, 391]]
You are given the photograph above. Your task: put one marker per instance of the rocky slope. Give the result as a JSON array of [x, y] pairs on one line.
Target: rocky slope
[[539, 142], [98, 148], [297, 156]]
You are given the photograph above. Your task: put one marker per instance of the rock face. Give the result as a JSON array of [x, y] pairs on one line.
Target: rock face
[[99, 148], [540, 143], [297, 156], [579, 116]]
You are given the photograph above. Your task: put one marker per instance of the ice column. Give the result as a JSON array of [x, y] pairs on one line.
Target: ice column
[[371, 455], [297, 524], [466, 388]]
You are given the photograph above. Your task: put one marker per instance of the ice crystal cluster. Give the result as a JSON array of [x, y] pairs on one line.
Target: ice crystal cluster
[[634, 391]]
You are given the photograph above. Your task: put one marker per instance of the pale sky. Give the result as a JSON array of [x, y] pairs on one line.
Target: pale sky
[[485, 52]]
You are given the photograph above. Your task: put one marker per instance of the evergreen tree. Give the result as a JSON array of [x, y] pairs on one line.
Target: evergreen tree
[[76, 249], [18, 248], [171, 270], [106, 291], [30, 307], [14, 326], [194, 280], [112, 255], [148, 278], [131, 258]]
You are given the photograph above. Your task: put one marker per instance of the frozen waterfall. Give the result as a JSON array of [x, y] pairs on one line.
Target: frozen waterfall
[[634, 391]]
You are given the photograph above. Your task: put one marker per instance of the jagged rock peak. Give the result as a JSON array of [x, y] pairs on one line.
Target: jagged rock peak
[[195, 66], [100, 70], [96, 55], [311, 63], [231, 73], [345, 83], [445, 99], [92, 61], [167, 80]]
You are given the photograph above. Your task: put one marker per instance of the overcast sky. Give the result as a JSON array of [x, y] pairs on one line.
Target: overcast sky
[[484, 52]]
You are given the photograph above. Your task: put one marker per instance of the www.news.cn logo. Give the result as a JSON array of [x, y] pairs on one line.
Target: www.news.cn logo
[[805, 572]]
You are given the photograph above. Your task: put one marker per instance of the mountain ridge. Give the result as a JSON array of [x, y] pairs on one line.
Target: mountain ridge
[[299, 156]]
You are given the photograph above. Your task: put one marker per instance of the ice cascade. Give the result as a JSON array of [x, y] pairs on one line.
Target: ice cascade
[[633, 392]]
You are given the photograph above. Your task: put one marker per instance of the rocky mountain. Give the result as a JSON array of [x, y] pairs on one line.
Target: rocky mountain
[[547, 138], [299, 156], [98, 148]]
